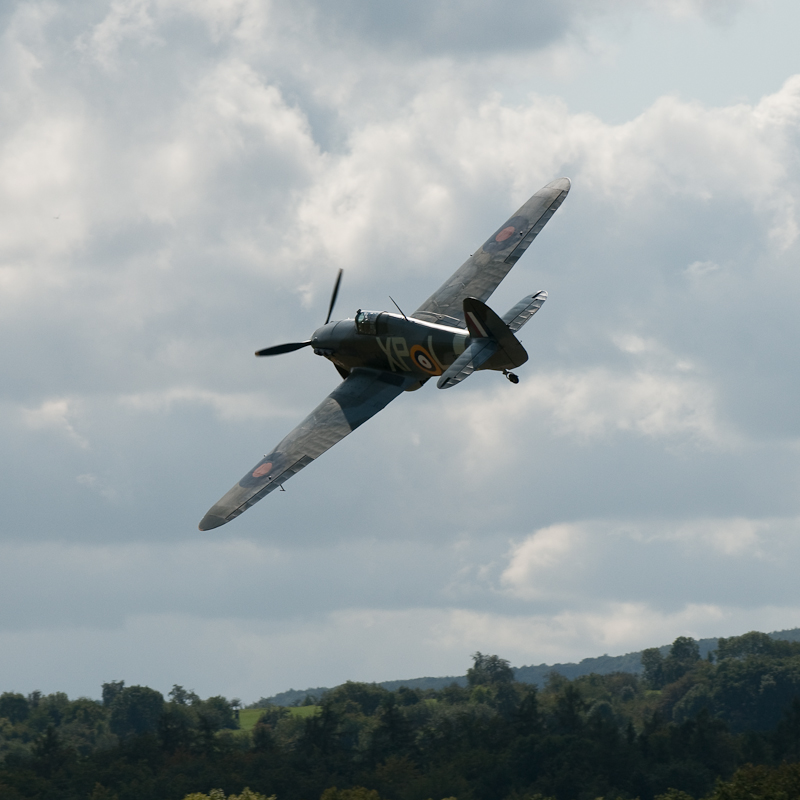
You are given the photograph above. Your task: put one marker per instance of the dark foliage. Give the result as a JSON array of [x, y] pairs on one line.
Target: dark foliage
[[598, 736]]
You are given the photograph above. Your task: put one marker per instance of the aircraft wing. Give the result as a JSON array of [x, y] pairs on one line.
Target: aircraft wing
[[482, 272], [357, 398]]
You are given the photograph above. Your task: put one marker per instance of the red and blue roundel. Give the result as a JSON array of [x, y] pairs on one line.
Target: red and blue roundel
[[509, 236], [260, 473]]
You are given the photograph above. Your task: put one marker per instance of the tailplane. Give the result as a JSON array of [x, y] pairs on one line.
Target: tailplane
[[492, 345], [516, 317]]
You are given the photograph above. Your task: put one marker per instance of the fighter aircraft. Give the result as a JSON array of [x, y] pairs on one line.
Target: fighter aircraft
[[381, 354]]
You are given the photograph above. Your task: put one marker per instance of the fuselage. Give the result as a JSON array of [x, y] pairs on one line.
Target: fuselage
[[390, 342]]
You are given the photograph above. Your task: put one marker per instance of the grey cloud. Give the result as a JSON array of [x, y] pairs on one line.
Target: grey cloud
[[234, 579], [203, 212], [444, 27]]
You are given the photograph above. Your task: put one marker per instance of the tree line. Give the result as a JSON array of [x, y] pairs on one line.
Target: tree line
[[725, 727]]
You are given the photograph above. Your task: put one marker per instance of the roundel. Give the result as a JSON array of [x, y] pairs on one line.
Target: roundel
[[262, 469], [259, 475], [422, 359], [507, 236], [505, 233]]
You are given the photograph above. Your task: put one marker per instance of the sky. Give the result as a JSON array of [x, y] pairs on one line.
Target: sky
[[180, 182]]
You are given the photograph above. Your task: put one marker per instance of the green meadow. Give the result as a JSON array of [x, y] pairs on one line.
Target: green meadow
[[249, 716]]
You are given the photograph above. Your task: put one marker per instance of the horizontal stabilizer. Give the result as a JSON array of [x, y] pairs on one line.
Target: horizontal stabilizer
[[476, 354], [524, 310]]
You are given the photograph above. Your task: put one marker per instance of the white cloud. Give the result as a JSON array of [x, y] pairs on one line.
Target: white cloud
[[588, 407], [569, 563], [54, 415], [211, 164], [699, 269], [550, 549], [717, 11], [126, 19]]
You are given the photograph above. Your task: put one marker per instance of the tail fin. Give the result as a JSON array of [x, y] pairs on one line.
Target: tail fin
[[480, 317]]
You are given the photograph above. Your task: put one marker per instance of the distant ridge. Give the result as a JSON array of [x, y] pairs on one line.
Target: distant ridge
[[600, 665]]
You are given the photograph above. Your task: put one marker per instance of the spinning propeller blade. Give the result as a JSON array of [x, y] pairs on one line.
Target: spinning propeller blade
[[279, 349], [333, 296]]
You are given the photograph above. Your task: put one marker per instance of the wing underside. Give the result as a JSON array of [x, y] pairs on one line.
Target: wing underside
[[357, 398], [482, 272]]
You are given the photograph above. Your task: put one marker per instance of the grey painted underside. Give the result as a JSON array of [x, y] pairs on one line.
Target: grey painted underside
[[362, 395]]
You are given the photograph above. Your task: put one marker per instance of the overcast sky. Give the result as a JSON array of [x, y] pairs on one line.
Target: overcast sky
[[180, 181]]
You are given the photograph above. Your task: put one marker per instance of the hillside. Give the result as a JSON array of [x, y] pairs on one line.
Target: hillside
[[598, 665], [678, 731]]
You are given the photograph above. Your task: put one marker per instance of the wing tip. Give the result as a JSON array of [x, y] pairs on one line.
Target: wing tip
[[562, 184], [211, 521]]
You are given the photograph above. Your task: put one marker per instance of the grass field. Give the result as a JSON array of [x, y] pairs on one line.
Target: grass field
[[249, 716]]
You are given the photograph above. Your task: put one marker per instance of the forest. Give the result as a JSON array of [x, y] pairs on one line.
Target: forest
[[723, 727]]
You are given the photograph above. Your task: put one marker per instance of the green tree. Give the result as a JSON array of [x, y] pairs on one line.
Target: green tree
[[176, 727], [263, 738], [136, 710], [489, 671], [685, 650], [526, 718], [14, 707], [392, 736], [321, 732], [180, 696], [356, 793], [786, 739], [755, 643], [569, 709], [101, 793], [218, 794], [110, 691], [683, 655], [50, 753], [365, 697], [761, 783]]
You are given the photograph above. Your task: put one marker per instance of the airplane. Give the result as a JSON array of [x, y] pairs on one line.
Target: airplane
[[380, 354]]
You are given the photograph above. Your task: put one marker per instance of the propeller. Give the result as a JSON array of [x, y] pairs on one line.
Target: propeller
[[279, 349], [334, 295]]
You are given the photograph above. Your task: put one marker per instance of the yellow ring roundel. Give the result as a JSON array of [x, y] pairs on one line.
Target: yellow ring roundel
[[422, 359]]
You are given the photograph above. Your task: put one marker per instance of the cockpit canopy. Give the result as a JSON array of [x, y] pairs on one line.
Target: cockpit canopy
[[367, 322]]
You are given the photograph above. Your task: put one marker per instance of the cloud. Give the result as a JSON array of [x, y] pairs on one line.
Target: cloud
[[564, 592], [179, 182], [239, 406], [391, 645], [708, 558], [551, 548], [715, 11], [598, 403], [54, 415]]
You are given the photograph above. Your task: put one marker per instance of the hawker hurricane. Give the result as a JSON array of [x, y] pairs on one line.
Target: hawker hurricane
[[381, 354]]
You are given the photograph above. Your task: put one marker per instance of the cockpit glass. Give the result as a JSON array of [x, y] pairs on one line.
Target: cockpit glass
[[366, 322]]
